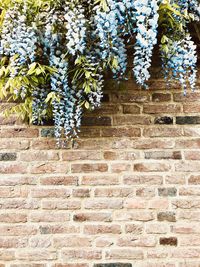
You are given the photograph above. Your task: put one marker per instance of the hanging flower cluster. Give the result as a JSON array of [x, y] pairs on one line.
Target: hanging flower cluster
[[54, 52]]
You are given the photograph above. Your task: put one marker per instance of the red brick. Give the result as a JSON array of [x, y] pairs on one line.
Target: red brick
[[135, 203], [163, 132], [143, 179], [131, 120], [6, 168], [13, 242], [194, 179], [7, 255], [49, 167], [102, 229], [81, 155], [72, 241], [14, 144], [121, 155], [93, 216], [186, 204], [130, 241], [70, 265], [61, 204], [103, 204], [13, 217], [59, 180], [134, 228], [191, 96], [50, 193], [39, 156], [49, 217], [160, 97], [15, 181], [113, 192], [19, 132], [86, 168], [82, 192], [121, 132], [157, 109], [152, 167], [18, 230], [152, 144], [120, 167], [131, 109], [100, 180]]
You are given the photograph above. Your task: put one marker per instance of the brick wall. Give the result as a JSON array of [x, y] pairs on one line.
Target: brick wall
[[127, 192]]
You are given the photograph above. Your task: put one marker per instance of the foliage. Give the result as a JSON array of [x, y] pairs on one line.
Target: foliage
[[54, 52]]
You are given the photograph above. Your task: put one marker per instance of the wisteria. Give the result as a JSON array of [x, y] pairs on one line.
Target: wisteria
[[54, 54]]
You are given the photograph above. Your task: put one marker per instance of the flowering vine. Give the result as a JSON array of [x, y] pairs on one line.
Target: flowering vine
[[53, 54]]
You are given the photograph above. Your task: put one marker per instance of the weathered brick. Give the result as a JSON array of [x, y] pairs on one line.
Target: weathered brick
[[39, 156], [168, 241], [61, 204], [96, 121], [162, 132], [167, 192], [19, 132], [131, 120], [59, 229], [81, 155], [113, 192], [102, 229], [59, 180], [93, 216], [160, 97], [50, 193], [188, 120], [124, 254], [103, 204], [8, 156], [130, 241], [157, 228], [131, 109], [152, 167], [134, 228], [39, 255], [143, 179], [13, 242], [163, 120], [47, 132], [89, 167], [113, 265], [157, 109], [89, 254], [72, 241], [194, 179], [100, 180], [49, 217], [121, 132], [82, 192], [163, 155], [10, 217], [168, 216]]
